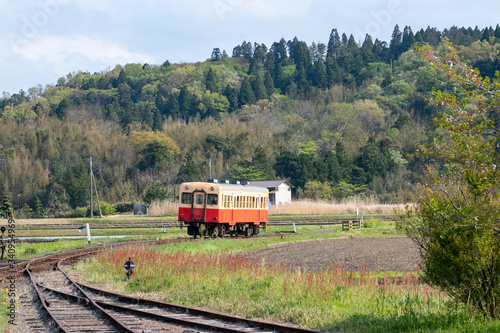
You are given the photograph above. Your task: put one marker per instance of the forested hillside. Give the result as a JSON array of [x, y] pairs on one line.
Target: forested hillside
[[336, 119]]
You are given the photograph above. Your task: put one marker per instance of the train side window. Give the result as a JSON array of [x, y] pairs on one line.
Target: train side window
[[212, 199], [199, 199], [186, 198]]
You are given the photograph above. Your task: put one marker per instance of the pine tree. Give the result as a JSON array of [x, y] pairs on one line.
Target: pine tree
[[172, 106], [157, 121], [189, 171], [408, 39], [269, 83], [395, 45], [6, 209], [261, 162], [246, 96], [270, 62], [332, 72], [39, 211], [367, 50], [320, 79], [210, 82], [232, 97], [184, 100], [259, 88], [333, 48]]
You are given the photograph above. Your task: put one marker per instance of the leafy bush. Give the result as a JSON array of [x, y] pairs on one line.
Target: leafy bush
[[80, 212], [106, 209], [157, 192]]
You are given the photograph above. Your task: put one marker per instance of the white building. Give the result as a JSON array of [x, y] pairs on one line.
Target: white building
[[279, 190]]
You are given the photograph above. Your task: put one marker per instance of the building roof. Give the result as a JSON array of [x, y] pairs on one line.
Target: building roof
[[269, 183]]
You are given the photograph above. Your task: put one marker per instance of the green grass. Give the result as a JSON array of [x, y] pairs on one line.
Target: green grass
[[196, 275]]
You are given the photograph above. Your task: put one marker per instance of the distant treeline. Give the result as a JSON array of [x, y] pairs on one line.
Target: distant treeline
[[336, 119]]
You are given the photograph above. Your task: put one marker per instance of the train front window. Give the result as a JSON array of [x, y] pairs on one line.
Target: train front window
[[187, 198], [199, 199], [212, 199]]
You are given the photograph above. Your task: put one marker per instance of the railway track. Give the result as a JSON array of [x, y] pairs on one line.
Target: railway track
[[147, 225], [71, 306]]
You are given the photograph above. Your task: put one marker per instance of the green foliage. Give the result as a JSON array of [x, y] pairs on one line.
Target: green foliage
[[189, 171], [156, 192], [333, 97], [27, 211], [39, 211], [455, 219], [345, 190], [6, 209], [106, 208], [155, 156], [81, 212], [317, 191]]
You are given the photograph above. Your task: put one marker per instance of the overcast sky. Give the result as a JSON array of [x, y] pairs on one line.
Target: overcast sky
[[42, 40]]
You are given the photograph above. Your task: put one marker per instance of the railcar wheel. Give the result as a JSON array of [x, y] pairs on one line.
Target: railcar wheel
[[249, 231], [255, 229]]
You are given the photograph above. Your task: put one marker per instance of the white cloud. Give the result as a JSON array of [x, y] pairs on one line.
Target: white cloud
[[75, 49]]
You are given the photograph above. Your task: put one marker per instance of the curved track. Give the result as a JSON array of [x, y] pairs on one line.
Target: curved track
[[74, 307]]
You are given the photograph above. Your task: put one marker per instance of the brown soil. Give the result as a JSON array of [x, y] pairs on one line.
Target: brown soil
[[377, 254]]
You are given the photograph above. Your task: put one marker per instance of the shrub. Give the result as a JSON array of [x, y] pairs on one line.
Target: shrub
[[80, 212]]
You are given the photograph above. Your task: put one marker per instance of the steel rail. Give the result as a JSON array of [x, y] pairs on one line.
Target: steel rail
[[198, 312], [44, 302], [146, 314], [121, 326]]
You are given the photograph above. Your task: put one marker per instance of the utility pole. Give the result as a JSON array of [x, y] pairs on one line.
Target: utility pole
[[210, 168], [91, 203]]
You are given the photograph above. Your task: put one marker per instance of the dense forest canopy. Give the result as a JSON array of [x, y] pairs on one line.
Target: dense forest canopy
[[336, 119]]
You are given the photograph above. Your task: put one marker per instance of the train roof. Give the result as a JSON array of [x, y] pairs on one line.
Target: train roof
[[230, 187]]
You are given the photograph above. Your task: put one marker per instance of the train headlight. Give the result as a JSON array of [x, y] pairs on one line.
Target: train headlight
[[186, 187]]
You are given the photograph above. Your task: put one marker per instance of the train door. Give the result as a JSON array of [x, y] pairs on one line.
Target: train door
[[229, 209], [199, 207], [259, 208]]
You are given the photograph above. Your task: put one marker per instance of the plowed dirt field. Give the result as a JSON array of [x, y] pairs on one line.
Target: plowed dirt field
[[377, 254]]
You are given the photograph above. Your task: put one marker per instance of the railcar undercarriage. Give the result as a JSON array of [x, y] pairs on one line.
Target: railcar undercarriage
[[214, 230]]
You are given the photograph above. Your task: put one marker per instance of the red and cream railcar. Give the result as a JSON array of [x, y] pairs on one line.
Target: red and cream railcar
[[218, 209]]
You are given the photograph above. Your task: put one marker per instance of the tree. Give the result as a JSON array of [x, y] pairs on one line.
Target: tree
[[39, 212], [156, 192], [395, 46], [246, 96], [259, 88], [318, 191], [27, 211], [455, 219], [211, 82], [6, 210], [216, 55], [155, 156], [189, 171], [157, 121]]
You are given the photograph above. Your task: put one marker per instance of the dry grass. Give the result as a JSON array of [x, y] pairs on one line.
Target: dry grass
[[162, 208], [324, 207]]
